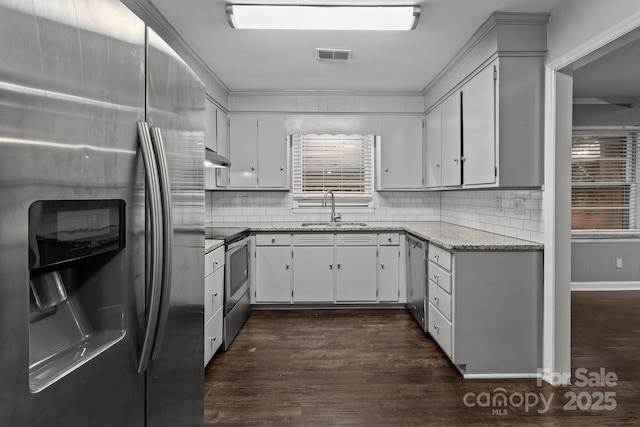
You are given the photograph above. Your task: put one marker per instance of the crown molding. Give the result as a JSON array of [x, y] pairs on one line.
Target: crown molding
[[496, 19], [154, 19]]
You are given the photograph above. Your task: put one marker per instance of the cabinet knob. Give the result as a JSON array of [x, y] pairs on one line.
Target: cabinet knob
[[386, 169], [253, 168], [286, 266], [213, 339], [273, 240], [437, 300], [215, 294], [382, 265], [338, 266], [330, 266], [438, 165], [281, 168], [463, 159], [389, 239], [455, 160], [436, 278]]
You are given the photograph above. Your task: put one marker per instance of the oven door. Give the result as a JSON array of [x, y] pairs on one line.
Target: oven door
[[237, 273]]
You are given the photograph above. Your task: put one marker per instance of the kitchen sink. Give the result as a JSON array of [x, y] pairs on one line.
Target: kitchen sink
[[334, 224]]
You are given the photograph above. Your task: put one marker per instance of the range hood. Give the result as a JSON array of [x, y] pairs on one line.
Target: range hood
[[215, 160]]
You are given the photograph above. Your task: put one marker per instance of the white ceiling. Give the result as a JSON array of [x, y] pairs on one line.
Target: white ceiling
[[613, 76], [262, 60]]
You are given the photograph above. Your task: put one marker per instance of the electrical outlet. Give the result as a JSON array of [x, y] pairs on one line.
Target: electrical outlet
[[618, 262], [518, 205]]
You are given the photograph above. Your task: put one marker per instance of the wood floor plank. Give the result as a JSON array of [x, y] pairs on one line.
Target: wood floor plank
[[378, 368]]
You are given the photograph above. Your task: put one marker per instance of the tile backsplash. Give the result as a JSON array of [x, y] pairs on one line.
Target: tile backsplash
[[256, 206], [514, 213]]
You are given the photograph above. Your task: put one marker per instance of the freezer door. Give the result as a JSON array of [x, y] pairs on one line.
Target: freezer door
[[71, 91], [176, 104]]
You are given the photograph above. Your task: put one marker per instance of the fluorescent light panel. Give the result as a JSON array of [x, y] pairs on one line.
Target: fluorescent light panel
[[283, 17]]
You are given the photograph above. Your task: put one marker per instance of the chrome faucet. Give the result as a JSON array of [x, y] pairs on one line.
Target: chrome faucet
[[334, 215]]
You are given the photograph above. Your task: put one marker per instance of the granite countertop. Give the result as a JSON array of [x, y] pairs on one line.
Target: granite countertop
[[448, 236], [211, 244]]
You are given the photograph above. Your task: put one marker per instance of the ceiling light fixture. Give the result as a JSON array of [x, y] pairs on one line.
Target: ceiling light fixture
[[303, 17]]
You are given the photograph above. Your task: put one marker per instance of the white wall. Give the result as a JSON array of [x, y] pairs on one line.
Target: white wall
[[578, 27]]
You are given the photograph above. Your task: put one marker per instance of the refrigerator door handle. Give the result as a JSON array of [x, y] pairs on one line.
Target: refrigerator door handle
[[167, 227], [155, 270]]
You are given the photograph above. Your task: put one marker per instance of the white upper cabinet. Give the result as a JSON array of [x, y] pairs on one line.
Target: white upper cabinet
[[243, 152], [491, 104], [215, 136], [272, 152], [478, 132], [259, 152], [451, 148], [399, 154], [433, 144]]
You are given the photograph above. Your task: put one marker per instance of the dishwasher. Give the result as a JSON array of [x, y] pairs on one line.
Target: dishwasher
[[417, 280]]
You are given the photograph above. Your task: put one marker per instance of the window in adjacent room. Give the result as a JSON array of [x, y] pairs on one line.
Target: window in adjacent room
[[604, 181], [340, 163]]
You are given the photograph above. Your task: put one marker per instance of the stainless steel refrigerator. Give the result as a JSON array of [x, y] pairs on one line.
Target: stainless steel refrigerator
[[101, 220]]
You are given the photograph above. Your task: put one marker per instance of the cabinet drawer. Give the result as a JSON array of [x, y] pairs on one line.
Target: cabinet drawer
[[440, 329], [278, 239], [313, 239], [440, 299], [440, 257], [388, 239], [212, 336], [213, 293], [440, 276], [356, 239], [213, 260]]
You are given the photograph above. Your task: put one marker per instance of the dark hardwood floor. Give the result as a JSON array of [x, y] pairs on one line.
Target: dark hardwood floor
[[377, 368]]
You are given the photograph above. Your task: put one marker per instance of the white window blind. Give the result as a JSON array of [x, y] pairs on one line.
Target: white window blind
[[340, 163], [604, 180]]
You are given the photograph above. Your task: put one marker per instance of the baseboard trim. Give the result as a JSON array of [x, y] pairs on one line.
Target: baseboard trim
[[605, 286]]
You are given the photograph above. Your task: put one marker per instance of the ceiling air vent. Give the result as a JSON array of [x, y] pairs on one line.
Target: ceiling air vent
[[333, 54]]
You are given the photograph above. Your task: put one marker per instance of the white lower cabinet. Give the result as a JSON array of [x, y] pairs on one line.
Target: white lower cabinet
[[320, 268], [485, 309], [313, 269], [356, 274], [273, 268], [388, 267], [213, 302]]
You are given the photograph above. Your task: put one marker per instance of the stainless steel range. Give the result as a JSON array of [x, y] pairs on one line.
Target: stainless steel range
[[237, 304]]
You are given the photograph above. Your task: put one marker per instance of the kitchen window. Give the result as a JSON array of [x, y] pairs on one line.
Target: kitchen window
[[340, 163], [604, 181]]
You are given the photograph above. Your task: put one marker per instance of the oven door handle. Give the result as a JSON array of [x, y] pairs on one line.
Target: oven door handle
[[231, 247]]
